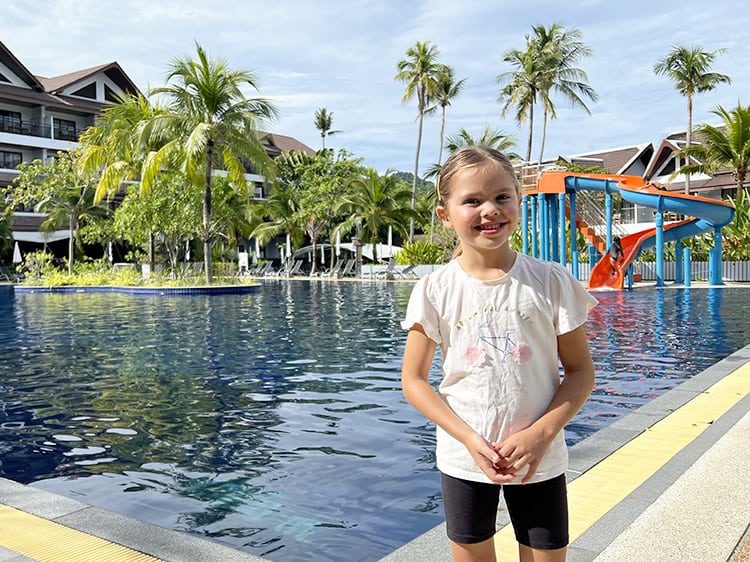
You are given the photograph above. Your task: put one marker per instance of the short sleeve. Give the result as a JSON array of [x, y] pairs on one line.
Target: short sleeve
[[421, 310], [570, 300]]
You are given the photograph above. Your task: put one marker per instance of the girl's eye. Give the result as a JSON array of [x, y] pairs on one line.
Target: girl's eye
[[471, 202]]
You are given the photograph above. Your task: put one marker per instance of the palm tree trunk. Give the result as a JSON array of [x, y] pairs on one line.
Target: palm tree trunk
[[414, 183], [531, 133], [544, 138], [71, 245], [688, 140], [433, 217], [207, 215]]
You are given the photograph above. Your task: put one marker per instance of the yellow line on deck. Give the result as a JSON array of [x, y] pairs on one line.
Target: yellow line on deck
[[48, 541], [606, 484]]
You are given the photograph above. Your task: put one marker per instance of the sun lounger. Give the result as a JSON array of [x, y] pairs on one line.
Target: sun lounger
[[389, 272], [407, 272], [334, 271], [348, 268], [6, 275]]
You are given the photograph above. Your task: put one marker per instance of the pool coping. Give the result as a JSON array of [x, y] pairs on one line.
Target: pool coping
[[143, 291]]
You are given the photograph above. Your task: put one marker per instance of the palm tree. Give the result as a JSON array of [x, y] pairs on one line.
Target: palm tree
[[520, 88], [279, 213], [689, 69], [324, 122], [373, 203], [493, 138], [559, 50], [114, 148], [727, 146], [209, 124], [446, 89], [419, 71]]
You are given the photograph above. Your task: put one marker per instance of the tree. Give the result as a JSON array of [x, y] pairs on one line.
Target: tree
[[320, 181], [208, 124], [547, 65], [727, 146], [559, 50], [446, 89], [376, 202], [520, 88], [61, 191], [278, 213], [324, 122], [689, 69], [493, 138], [169, 212], [419, 71], [115, 148]]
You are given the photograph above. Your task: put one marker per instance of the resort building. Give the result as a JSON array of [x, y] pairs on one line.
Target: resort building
[[41, 116]]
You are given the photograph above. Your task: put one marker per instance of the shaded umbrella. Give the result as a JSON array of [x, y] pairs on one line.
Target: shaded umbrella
[[17, 257]]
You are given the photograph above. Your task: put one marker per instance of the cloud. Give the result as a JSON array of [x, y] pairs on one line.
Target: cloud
[[343, 56]]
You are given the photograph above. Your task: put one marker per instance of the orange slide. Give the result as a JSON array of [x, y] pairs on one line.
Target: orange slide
[[606, 276]]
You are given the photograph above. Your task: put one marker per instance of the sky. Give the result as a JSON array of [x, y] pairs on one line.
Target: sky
[[343, 56]]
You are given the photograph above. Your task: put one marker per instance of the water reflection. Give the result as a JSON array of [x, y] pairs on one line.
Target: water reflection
[[275, 422]]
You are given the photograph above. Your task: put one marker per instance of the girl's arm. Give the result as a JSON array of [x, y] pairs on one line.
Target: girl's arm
[[527, 447], [418, 355]]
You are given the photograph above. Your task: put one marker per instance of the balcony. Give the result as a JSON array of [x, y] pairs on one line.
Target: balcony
[[32, 129]]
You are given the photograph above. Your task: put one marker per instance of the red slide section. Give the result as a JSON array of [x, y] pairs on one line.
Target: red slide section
[[608, 275]]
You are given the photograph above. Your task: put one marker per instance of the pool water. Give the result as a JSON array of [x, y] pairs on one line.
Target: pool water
[[274, 422]]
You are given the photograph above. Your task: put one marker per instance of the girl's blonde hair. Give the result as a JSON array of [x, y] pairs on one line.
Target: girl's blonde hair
[[463, 159], [469, 157]]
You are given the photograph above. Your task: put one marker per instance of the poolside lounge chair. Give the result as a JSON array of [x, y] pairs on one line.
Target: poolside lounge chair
[[334, 271], [261, 270], [389, 272], [5, 274], [295, 270], [348, 268], [407, 272]]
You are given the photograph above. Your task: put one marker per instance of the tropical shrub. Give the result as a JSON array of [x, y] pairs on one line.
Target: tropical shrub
[[420, 252]]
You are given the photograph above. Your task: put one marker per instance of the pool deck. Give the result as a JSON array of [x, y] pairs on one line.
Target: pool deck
[[667, 482]]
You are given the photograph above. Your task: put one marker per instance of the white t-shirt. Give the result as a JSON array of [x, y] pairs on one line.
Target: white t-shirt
[[498, 341]]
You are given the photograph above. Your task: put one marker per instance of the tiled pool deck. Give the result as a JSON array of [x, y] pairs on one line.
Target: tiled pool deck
[[667, 482]]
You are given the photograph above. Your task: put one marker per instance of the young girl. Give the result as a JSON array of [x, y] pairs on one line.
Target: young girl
[[502, 321]]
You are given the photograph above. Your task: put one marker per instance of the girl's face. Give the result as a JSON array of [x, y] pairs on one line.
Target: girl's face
[[482, 208]]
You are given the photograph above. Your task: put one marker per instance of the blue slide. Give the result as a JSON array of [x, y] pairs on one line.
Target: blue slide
[[704, 215]]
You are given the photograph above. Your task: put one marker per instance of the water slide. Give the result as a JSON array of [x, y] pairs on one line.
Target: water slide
[[705, 215]]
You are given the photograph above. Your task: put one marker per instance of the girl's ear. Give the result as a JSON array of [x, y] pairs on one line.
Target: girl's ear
[[443, 216]]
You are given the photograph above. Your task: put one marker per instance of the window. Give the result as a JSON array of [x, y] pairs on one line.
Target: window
[[87, 91], [65, 130], [10, 121], [10, 159]]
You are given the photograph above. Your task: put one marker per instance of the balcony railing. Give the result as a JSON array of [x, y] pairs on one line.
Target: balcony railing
[[30, 128]]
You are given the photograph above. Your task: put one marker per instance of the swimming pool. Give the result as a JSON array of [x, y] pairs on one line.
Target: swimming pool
[[274, 422]]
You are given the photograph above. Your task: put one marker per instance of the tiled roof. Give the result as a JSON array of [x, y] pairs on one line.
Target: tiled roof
[[615, 160], [9, 60], [283, 142], [113, 71]]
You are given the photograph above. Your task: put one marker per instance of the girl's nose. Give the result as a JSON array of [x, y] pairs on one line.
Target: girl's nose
[[490, 208]]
